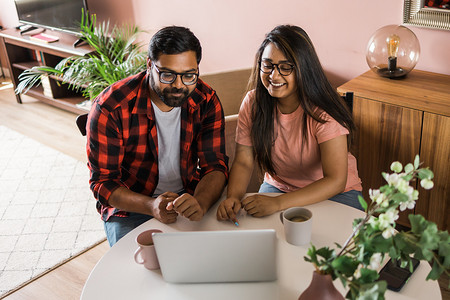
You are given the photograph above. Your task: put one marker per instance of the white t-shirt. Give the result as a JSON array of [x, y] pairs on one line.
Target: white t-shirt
[[168, 126]]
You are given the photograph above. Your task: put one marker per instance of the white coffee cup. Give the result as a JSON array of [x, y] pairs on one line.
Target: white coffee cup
[[297, 223], [146, 253]]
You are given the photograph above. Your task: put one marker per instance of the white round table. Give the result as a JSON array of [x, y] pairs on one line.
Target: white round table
[[118, 276]]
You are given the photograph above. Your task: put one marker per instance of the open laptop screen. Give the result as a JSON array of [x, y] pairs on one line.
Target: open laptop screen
[[217, 256]]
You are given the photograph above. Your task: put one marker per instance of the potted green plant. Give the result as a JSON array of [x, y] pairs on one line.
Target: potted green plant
[[373, 238], [116, 56]]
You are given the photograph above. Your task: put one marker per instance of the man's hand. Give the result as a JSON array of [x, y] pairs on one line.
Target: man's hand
[[187, 206], [260, 205], [160, 210]]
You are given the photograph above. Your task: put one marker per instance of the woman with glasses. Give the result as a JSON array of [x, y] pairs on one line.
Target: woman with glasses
[[296, 127]]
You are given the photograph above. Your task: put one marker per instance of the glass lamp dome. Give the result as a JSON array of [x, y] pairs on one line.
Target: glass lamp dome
[[393, 51]]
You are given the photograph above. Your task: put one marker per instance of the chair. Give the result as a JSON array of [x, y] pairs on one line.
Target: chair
[[81, 121]]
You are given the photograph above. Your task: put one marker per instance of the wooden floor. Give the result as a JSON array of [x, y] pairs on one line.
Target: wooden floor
[[56, 128]]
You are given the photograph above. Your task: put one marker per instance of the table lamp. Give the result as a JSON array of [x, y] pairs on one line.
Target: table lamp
[[393, 51]]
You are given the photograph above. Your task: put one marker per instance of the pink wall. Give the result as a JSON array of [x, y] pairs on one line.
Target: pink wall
[[231, 31]]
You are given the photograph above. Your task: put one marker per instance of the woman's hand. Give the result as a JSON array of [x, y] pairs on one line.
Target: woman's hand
[[228, 209], [259, 205]]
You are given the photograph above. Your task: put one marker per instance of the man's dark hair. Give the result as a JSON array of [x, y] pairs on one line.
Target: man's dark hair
[[174, 40]]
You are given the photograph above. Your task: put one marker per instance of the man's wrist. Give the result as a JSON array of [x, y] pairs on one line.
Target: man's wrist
[[150, 206]]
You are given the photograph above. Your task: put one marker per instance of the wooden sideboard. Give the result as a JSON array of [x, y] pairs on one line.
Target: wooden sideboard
[[397, 119], [23, 53]]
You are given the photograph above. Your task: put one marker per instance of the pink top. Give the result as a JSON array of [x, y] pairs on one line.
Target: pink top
[[296, 167]]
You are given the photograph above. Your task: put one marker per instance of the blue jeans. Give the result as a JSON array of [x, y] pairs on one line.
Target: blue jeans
[[118, 227], [349, 198]]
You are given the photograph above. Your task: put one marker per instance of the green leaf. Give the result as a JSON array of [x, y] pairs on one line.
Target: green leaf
[[372, 291], [399, 198], [386, 189], [418, 254], [429, 238], [408, 177], [409, 168], [346, 265], [425, 174], [404, 264], [325, 252], [368, 275], [363, 203], [403, 243], [418, 223], [396, 166], [312, 256], [379, 244], [311, 251], [444, 248], [416, 161], [435, 272]]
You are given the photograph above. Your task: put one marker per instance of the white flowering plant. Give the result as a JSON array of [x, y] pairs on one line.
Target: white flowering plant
[[374, 237]]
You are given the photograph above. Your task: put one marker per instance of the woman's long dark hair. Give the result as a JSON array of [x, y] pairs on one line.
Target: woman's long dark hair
[[314, 92]]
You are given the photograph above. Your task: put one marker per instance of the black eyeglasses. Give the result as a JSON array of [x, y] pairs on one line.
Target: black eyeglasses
[[284, 69], [169, 77]]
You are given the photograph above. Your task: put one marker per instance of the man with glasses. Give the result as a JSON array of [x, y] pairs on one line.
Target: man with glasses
[[156, 145]]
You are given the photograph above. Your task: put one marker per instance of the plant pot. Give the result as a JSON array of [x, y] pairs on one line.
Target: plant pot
[[321, 288]]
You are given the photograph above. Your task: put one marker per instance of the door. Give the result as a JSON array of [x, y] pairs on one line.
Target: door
[[385, 133], [435, 152]]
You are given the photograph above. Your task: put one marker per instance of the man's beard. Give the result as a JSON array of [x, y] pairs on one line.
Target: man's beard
[[166, 95]]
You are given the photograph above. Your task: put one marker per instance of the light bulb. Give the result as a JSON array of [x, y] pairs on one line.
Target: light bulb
[[392, 44]]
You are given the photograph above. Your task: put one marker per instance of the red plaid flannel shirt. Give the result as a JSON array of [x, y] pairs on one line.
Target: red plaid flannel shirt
[[122, 145]]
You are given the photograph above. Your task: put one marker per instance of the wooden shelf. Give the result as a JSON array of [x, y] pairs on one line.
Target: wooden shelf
[[26, 65], [23, 53], [67, 103], [397, 119]]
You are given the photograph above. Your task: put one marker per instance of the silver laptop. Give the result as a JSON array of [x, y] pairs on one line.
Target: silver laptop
[[217, 256]]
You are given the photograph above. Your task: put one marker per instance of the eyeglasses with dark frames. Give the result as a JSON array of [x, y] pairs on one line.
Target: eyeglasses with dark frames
[[169, 77], [284, 69]]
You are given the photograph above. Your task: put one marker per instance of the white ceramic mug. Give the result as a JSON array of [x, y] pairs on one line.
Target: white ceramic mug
[[146, 253], [297, 223]]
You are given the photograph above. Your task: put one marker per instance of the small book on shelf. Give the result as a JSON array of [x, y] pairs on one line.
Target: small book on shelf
[[42, 37]]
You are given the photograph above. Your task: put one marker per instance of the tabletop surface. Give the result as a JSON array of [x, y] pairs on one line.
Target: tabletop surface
[[118, 276]]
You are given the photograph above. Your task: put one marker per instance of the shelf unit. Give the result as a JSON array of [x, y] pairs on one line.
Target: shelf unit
[[397, 119], [23, 53]]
